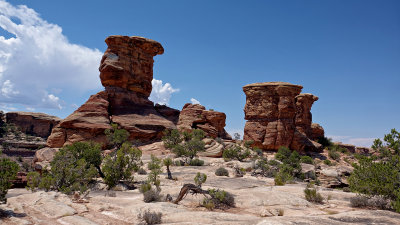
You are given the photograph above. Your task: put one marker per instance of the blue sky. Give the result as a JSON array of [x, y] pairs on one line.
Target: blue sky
[[345, 52]]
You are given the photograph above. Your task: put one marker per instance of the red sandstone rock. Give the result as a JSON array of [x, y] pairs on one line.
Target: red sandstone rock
[[276, 117], [37, 124], [196, 116], [128, 63], [317, 131], [126, 72]]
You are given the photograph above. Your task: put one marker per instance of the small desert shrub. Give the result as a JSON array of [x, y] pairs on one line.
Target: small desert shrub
[[282, 177], [200, 179], [179, 163], [151, 196], [236, 152], [312, 195], [327, 162], [281, 212], [222, 172], [306, 159], [273, 162], [283, 154], [150, 218], [171, 138], [359, 201], [116, 136], [219, 199], [141, 171], [346, 189], [325, 142], [196, 162], [145, 187], [334, 155]]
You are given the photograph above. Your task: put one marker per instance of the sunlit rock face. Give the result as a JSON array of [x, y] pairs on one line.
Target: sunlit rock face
[[278, 115]]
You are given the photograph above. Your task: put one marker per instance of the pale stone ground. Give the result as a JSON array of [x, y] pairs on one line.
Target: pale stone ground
[[258, 201]]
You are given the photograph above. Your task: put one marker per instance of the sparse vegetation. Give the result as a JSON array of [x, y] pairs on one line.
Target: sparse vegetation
[[150, 218], [219, 199], [290, 167], [333, 154], [222, 172], [311, 194], [121, 164], [8, 171], [186, 144], [236, 152], [327, 162], [116, 136], [196, 162], [379, 175], [200, 179], [306, 159]]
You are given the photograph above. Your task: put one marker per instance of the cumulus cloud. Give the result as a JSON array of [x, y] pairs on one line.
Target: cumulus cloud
[[161, 93], [357, 141], [38, 63], [194, 101]]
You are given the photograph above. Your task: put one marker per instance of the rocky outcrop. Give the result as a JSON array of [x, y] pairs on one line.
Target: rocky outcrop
[[43, 157], [126, 72], [195, 116], [278, 115], [37, 124], [317, 131]]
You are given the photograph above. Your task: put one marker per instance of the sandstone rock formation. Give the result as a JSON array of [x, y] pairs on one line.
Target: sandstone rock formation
[[278, 115], [195, 116], [37, 124], [126, 72], [317, 131]]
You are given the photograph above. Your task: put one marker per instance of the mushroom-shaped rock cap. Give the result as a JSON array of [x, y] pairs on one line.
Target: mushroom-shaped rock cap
[[149, 46], [128, 63], [273, 88]]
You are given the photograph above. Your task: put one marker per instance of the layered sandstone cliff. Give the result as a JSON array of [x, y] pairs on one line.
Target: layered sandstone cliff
[[126, 72], [278, 115]]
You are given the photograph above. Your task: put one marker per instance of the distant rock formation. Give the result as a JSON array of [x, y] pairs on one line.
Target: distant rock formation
[[36, 124], [278, 115], [195, 116], [126, 72]]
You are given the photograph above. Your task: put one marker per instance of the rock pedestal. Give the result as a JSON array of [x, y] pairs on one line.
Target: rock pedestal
[[278, 115], [126, 72]]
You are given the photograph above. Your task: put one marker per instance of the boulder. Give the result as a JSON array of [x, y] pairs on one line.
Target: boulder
[[43, 157], [37, 124], [278, 115], [126, 72], [317, 131], [195, 116]]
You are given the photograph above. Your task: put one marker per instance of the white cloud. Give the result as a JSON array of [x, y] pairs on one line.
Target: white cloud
[[357, 141], [161, 93], [194, 101], [39, 61]]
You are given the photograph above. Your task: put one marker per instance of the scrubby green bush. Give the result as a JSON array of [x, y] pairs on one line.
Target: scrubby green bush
[[290, 167], [222, 172], [333, 154], [312, 195], [325, 142], [186, 144], [171, 138], [236, 152], [116, 136], [196, 162], [219, 199], [200, 179], [283, 154], [327, 162], [306, 159], [379, 175], [8, 172], [72, 169], [121, 164]]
